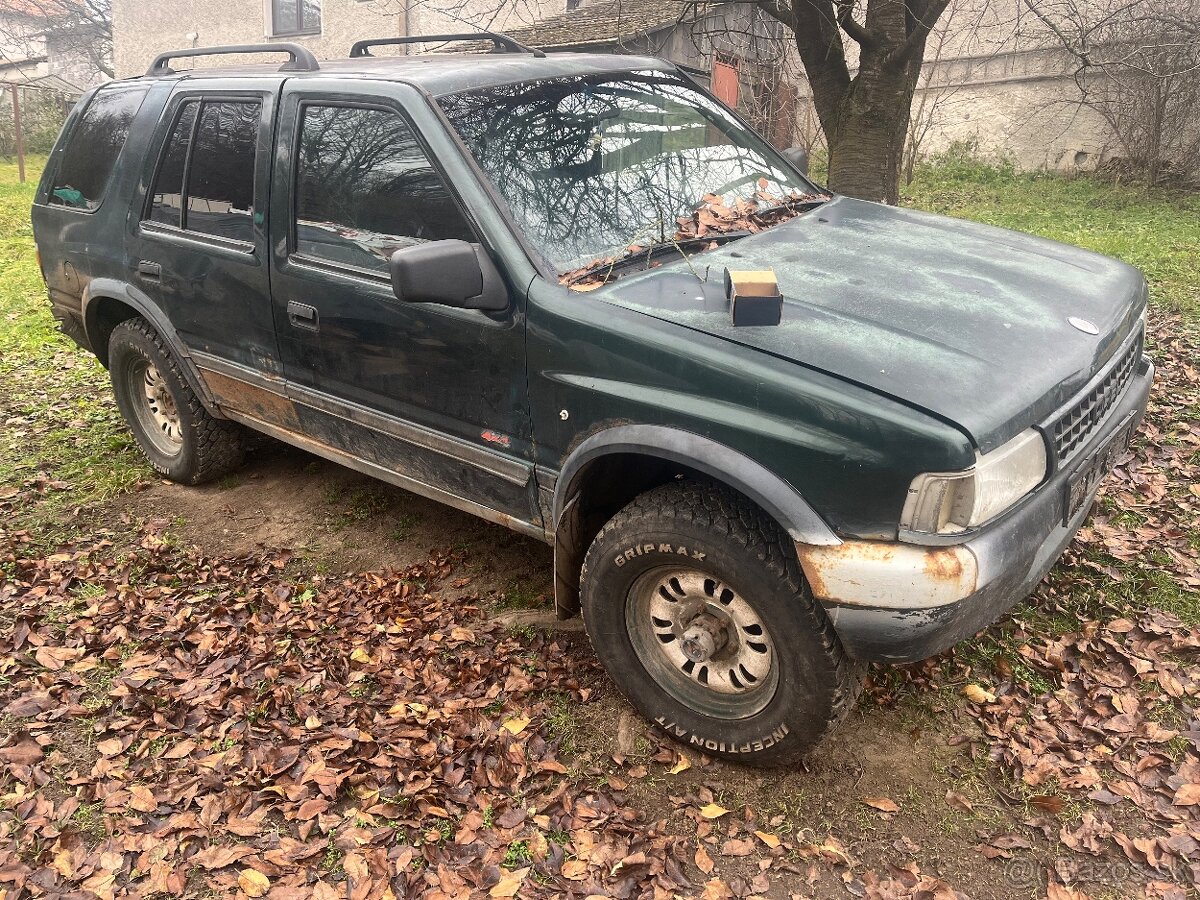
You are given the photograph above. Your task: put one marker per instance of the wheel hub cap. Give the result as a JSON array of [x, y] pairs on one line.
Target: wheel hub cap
[[702, 642], [155, 407]]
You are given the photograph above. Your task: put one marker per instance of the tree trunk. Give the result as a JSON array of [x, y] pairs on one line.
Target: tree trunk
[[866, 146], [865, 117]]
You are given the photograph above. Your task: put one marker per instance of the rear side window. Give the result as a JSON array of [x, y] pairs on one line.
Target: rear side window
[[167, 203], [205, 182], [92, 149], [364, 189]]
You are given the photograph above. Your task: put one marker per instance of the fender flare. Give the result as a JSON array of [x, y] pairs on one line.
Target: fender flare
[[111, 289], [775, 496]]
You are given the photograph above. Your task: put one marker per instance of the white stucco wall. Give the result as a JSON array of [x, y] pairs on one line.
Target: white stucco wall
[[144, 28]]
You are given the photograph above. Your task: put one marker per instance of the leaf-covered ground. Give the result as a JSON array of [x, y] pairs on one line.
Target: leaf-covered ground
[[202, 695]]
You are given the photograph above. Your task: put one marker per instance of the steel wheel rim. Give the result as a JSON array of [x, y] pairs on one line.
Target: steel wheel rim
[[155, 407], [667, 605]]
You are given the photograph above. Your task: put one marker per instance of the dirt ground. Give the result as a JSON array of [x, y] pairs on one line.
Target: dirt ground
[[916, 754]]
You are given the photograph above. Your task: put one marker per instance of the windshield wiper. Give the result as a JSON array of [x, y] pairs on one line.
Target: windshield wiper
[[646, 254]]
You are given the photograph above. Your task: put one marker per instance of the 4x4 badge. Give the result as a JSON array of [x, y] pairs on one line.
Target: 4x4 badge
[[1083, 325]]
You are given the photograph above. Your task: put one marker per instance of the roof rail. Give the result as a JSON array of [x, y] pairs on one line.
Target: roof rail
[[300, 59], [503, 43]]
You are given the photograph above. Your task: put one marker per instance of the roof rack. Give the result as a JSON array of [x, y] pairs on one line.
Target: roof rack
[[502, 42], [300, 59]]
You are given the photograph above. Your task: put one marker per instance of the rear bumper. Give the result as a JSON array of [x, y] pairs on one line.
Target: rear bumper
[[898, 602]]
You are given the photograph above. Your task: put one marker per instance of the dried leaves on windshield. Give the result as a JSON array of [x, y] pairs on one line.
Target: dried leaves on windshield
[[713, 217]]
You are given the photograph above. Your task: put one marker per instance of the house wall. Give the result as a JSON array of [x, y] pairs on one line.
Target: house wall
[[144, 28], [1021, 105]]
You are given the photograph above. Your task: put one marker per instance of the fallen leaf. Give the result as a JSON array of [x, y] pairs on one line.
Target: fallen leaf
[[510, 883], [516, 726], [142, 798], [26, 753], [1187, 795], [682, 764], [736, 847], [883, 804], [713, 811], [574, 869], [253, 882], [977, 694], [703, 861], [769, 839]]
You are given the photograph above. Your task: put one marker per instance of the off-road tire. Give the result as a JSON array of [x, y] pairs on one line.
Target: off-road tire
[[722, 535], [210, 447]]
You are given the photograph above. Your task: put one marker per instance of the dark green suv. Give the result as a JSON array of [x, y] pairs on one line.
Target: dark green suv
[[500, 280]]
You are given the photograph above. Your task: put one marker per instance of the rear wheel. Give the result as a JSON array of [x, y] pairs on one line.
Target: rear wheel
[[173, 429], [698, 609]]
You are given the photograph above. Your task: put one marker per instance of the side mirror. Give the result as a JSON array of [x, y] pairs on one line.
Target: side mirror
[[452, 273], [798, 157]]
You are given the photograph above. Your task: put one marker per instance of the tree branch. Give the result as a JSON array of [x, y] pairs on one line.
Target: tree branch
[[845, 18], [819, 40], [778, 10], [924, 17]]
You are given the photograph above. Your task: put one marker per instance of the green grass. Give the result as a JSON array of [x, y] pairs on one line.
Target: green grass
[[63, 438], [1157, 231]]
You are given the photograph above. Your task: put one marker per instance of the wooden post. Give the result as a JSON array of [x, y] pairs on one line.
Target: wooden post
[[20, 136]]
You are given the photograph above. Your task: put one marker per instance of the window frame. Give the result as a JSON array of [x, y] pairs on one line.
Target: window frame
[[60, 151], [174, 112], [379, 104], [274, 29]]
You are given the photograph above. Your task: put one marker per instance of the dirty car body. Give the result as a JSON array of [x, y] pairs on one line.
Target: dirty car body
[[925, 429]]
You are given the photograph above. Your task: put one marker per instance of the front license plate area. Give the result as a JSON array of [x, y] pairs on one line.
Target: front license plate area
[[1093, 470]]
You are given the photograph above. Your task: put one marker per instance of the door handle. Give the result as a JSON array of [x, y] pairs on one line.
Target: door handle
[[148, 269], [301, 315]]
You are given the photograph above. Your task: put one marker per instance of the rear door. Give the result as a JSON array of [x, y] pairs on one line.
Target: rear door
[[433, 394], [199, 245]]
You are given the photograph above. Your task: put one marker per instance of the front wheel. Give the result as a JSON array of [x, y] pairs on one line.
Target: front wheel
[[696, 605]]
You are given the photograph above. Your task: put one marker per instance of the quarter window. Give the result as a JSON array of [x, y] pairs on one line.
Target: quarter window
[[205, 182], [91, 153], [295, 17], [364, 189]]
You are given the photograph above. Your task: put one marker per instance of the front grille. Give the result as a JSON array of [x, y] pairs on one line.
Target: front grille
[[1072, 428]]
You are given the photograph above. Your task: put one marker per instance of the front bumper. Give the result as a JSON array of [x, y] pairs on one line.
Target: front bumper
[[898, 602]]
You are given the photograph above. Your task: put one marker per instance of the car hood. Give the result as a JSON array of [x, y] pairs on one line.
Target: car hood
[[965, 321]]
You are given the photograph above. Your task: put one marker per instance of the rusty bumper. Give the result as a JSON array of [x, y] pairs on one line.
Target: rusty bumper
[[901, 602]]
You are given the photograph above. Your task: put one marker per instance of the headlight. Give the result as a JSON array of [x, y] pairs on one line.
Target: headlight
[[945, 503]]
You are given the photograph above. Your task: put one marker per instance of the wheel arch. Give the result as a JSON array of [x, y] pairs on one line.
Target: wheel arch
[[107, 303], [623, 461]]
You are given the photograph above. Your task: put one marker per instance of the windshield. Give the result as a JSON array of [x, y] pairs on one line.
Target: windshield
[[593, 166]]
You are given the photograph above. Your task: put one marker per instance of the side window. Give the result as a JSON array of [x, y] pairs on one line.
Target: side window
[[167, 197], [205, 181], [364, 189], [220, 178], [95, 143]]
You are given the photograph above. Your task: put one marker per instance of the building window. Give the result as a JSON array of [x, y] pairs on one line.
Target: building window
[[291, 17]]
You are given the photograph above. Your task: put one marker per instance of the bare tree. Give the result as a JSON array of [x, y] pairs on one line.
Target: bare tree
[[865, 113], [1137, 64], [77, 29]]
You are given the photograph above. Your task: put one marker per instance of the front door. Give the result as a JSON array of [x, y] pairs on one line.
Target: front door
[[432, 394]]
